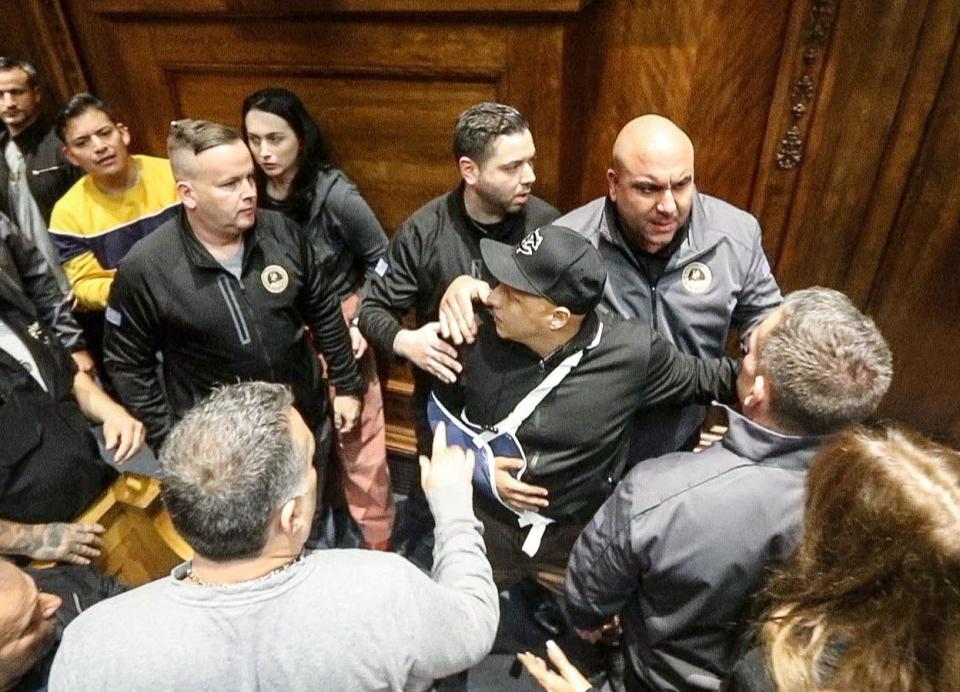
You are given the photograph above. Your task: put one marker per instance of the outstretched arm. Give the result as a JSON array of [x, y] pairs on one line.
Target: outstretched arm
[[459, 609]]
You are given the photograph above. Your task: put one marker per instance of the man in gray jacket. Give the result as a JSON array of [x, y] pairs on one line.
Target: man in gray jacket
[[684, 542], [251, 610], [689, 265]]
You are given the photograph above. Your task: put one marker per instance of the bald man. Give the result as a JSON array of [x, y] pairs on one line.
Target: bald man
[[688, 264], [35, 606]]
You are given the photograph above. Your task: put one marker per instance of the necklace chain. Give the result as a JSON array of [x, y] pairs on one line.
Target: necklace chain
[[272, 573]]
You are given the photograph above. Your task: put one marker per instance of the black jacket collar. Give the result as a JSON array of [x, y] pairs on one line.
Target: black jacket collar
[[198, 254], [29, 139]]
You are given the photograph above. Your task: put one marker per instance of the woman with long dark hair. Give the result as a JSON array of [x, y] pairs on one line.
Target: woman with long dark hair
[[296, 175], [871, 598]]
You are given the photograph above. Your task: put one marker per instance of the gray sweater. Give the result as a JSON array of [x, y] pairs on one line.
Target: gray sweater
[[336, 620]]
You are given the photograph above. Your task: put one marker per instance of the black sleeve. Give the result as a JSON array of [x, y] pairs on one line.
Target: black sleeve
[[130, 343], [41, 288], [678, 378], [389, 295], [321, 312]]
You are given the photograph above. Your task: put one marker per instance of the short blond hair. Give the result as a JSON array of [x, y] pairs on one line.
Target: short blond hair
[[189, 137]]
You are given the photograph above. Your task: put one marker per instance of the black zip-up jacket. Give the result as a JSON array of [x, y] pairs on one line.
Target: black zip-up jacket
[[438, 243], [171, 296], [576, 440], [49, 174]]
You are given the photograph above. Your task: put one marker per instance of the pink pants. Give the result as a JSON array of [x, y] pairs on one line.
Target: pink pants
[[363, 453]]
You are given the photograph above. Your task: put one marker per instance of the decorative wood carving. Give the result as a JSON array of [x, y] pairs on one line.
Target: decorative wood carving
[[790, 152]]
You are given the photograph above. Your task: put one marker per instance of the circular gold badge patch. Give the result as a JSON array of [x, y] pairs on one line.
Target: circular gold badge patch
[[697, 277], [274, 278]]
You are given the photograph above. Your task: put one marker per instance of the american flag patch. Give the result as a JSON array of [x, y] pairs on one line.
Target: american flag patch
[[113, 316]]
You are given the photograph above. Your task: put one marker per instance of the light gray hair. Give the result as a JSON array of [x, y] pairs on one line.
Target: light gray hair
[[228, 466], [189, 137], [828, 363]]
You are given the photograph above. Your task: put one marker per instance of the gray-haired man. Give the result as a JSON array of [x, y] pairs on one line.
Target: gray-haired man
[[252, 611], [683, 543]]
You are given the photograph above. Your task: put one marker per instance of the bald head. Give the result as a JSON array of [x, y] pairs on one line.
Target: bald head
[[27, 623], [651, 137], [651, 181]]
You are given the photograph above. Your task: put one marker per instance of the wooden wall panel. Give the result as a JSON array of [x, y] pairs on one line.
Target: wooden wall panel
[[866, 73], [869, 209], [709, 65], [916, 299]]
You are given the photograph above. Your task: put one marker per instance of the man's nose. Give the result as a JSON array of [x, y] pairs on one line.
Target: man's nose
[[7, 98], [528, 177], [668, 203]]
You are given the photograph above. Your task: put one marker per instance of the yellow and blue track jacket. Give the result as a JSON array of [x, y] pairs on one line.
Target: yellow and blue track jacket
[[93, 231]]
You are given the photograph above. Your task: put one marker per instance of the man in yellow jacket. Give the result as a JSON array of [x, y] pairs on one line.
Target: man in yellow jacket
[[122, 198]]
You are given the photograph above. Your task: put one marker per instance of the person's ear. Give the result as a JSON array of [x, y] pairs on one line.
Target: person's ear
[[68, 155], [757, 398], [124, 134], [469, 170], [290, 519], [612, 180], [559, 318], [187, 195]]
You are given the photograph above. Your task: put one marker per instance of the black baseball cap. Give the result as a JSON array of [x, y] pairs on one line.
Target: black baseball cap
[[554, 262]]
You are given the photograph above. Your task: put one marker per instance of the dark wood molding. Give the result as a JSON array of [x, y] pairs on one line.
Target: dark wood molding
[[791, 112], [819, 24], [55, 39], [420, 73], [312, 8]]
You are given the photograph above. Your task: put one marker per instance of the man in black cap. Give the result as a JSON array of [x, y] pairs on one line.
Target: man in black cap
[[565, 383]]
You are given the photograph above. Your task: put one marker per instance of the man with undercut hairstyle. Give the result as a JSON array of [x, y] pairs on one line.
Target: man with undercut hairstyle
[[685, 542], [226, 293], [494, 151], [252, 610]]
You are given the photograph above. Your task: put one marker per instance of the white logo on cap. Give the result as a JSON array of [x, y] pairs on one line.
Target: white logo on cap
[[530, 244], [696, 277], [274, 278]]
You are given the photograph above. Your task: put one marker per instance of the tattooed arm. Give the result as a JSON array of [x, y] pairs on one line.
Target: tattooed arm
[[74, 543]]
